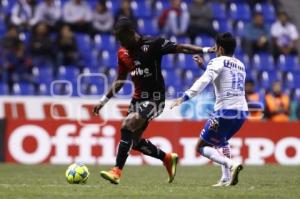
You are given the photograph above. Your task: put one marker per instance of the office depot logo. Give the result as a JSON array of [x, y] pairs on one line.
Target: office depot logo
[[66, 142]]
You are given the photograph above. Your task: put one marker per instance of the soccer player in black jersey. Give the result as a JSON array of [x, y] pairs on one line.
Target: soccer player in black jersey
[[141, 57]]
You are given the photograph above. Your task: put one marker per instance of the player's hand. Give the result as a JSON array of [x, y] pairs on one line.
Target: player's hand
[[212, 49], [199, 60], [177, 102], [97, 108]]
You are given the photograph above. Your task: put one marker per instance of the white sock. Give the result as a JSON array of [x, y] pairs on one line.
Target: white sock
[[225, 150], [214, 155]]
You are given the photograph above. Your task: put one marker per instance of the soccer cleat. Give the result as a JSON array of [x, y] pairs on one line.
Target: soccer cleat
[[235, 170], [114, 175], [221, 183], [170, 163]]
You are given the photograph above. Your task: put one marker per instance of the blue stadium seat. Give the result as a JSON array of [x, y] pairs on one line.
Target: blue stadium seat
[[44, 89], [68, 73], [267, 78], [296, 95], [2, 27], [180, 39], [109, 59], [222, 26], [84, 89], [244, 58], [289, 63], [160, 6], [190, 76], [142, 9], [268, 11], [94, 90], [24, 36], [207, 58], [289, 80], [23, 89], [97, 87], [126, 91], [239, 48], [148, 26], [172, 78], [219, 11], [113, 5], [4, 90], [292, 80], [8, 5], [83, 42], [172, 92], [96, 80], [263, 61], [237, 1], [239, 30], [43, 74], [240, 11], [168, 61], [88, 70], [111, 75], [91, 59], [297, 80], [106, 42], [204, 40], [186, 62]]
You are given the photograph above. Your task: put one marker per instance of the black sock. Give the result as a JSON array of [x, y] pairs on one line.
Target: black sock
[[124, 148], [147, 148]]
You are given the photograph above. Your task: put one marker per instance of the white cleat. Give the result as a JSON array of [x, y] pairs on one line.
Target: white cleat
[[235, 170], [221, 183]]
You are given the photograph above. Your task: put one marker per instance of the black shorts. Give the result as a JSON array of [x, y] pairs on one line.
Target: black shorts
[[148, 109]]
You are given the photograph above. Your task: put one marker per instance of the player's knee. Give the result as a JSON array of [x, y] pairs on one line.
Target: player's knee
[[136, 142], [128, 124], [200, 145]]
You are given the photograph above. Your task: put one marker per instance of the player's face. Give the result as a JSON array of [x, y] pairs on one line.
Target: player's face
[[219, 50], [127, 39], [283, 18], [277, 88]]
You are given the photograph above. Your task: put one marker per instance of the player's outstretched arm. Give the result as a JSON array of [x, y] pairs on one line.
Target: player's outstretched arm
[[193, 49], [208, 76], [116, 87]]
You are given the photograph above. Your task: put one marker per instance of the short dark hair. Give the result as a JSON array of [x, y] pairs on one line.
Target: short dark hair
[[282, 12], [102, 3], [250, 81], [227, 42], [257, 13], [124, 24]]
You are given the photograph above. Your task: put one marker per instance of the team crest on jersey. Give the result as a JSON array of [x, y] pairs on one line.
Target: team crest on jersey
[[145, 48], [213, 124]]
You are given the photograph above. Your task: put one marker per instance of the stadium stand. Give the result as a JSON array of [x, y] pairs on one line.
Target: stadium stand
[[98, 52]]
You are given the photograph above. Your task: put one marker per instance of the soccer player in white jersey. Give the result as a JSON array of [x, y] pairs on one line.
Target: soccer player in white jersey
[[230, 111]]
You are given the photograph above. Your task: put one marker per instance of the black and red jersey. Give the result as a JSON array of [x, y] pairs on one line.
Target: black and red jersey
[[144, 66]]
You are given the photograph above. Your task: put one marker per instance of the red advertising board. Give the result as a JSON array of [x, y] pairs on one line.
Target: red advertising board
[[65, 141]]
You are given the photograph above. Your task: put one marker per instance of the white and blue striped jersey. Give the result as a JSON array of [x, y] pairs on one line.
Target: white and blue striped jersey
[[228, 77]]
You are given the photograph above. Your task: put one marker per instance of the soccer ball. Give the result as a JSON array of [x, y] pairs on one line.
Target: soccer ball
[[77, 173]]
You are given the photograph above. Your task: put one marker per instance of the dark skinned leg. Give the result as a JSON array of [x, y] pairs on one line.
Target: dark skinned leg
[[131, 124], [145, 146]]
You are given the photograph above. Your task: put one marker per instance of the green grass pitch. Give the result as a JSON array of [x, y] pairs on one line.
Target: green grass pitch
[[145, 182]]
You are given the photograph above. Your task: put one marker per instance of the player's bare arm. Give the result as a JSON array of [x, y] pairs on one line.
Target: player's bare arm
[[116, 87], [200, 62], [193, 49]]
